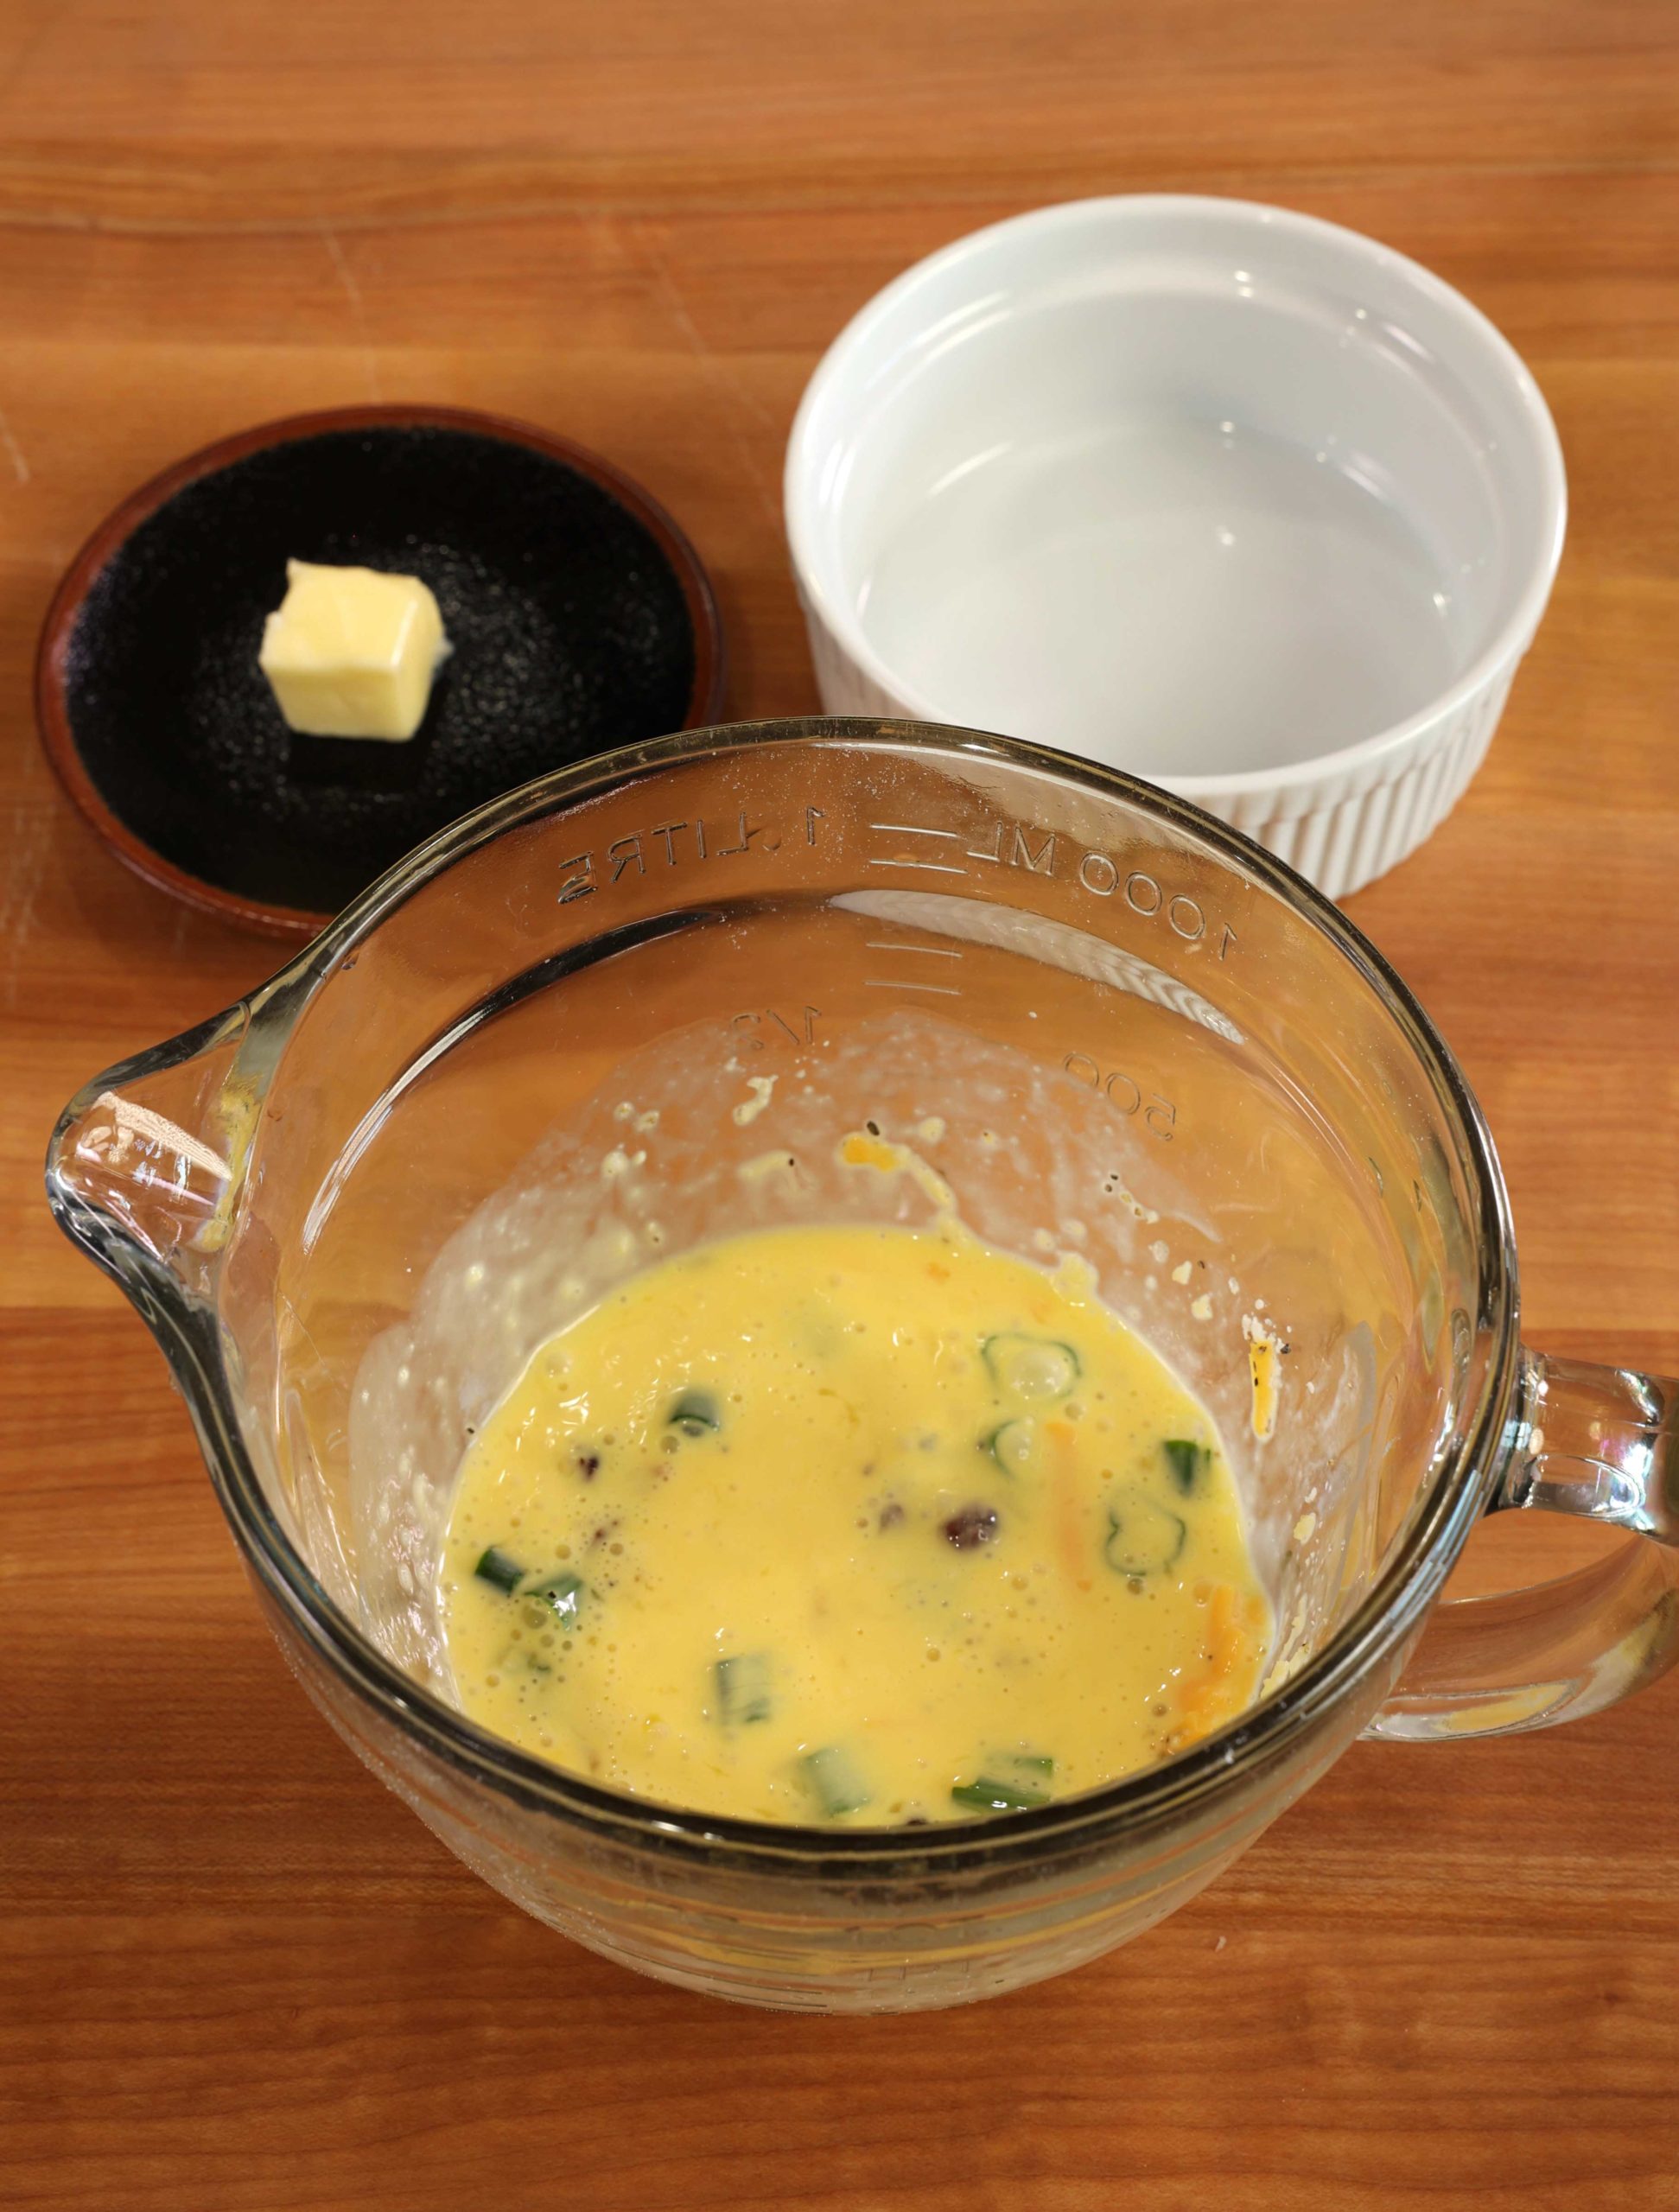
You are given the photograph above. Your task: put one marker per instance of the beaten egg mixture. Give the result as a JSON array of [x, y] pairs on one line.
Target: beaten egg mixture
[[870, 1525]]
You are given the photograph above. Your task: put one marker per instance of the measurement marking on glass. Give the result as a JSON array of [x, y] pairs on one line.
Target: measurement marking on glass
[[926, 868], [745, 1024], [904, 983], [914, 830], [933, 952]]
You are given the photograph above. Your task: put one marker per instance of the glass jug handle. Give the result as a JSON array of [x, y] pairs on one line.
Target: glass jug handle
[[1601, 1443]]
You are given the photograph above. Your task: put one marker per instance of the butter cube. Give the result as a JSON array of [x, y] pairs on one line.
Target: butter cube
[[351, 652]]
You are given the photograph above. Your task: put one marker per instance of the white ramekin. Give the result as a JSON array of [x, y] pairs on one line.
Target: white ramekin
[[1151, 372]]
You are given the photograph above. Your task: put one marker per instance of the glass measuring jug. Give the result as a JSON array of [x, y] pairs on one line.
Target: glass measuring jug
[[633, 1006]]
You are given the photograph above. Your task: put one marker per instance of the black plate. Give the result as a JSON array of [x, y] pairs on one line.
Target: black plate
[[579, 616]]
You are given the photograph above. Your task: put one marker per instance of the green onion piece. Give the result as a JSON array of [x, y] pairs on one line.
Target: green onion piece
[[563, 1594], [833, 1782], [1010, 1445], [695, 1413], [743, 1689], [1143, 1537], [1185, 1460], [989, 1795], [1030, 1367], [496, 1566], [1030, 1762]]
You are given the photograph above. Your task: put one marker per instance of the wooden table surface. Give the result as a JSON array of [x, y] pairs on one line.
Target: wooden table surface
[[237, 1974]]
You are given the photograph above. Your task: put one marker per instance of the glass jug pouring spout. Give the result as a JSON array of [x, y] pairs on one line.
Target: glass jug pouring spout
[[146, 1165]]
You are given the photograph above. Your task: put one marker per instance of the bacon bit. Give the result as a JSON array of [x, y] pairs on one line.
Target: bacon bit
[[973, 1526]]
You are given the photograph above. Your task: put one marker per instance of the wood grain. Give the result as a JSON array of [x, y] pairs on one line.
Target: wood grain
[[234, 1974]]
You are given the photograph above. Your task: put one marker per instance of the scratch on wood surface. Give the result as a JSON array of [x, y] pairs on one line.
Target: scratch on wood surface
[[735, 392], [22, 868], [13, 451], [347, 277], [463, 192]]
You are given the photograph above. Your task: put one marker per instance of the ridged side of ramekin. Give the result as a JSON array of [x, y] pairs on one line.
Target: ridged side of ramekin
[[1341, 828]]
